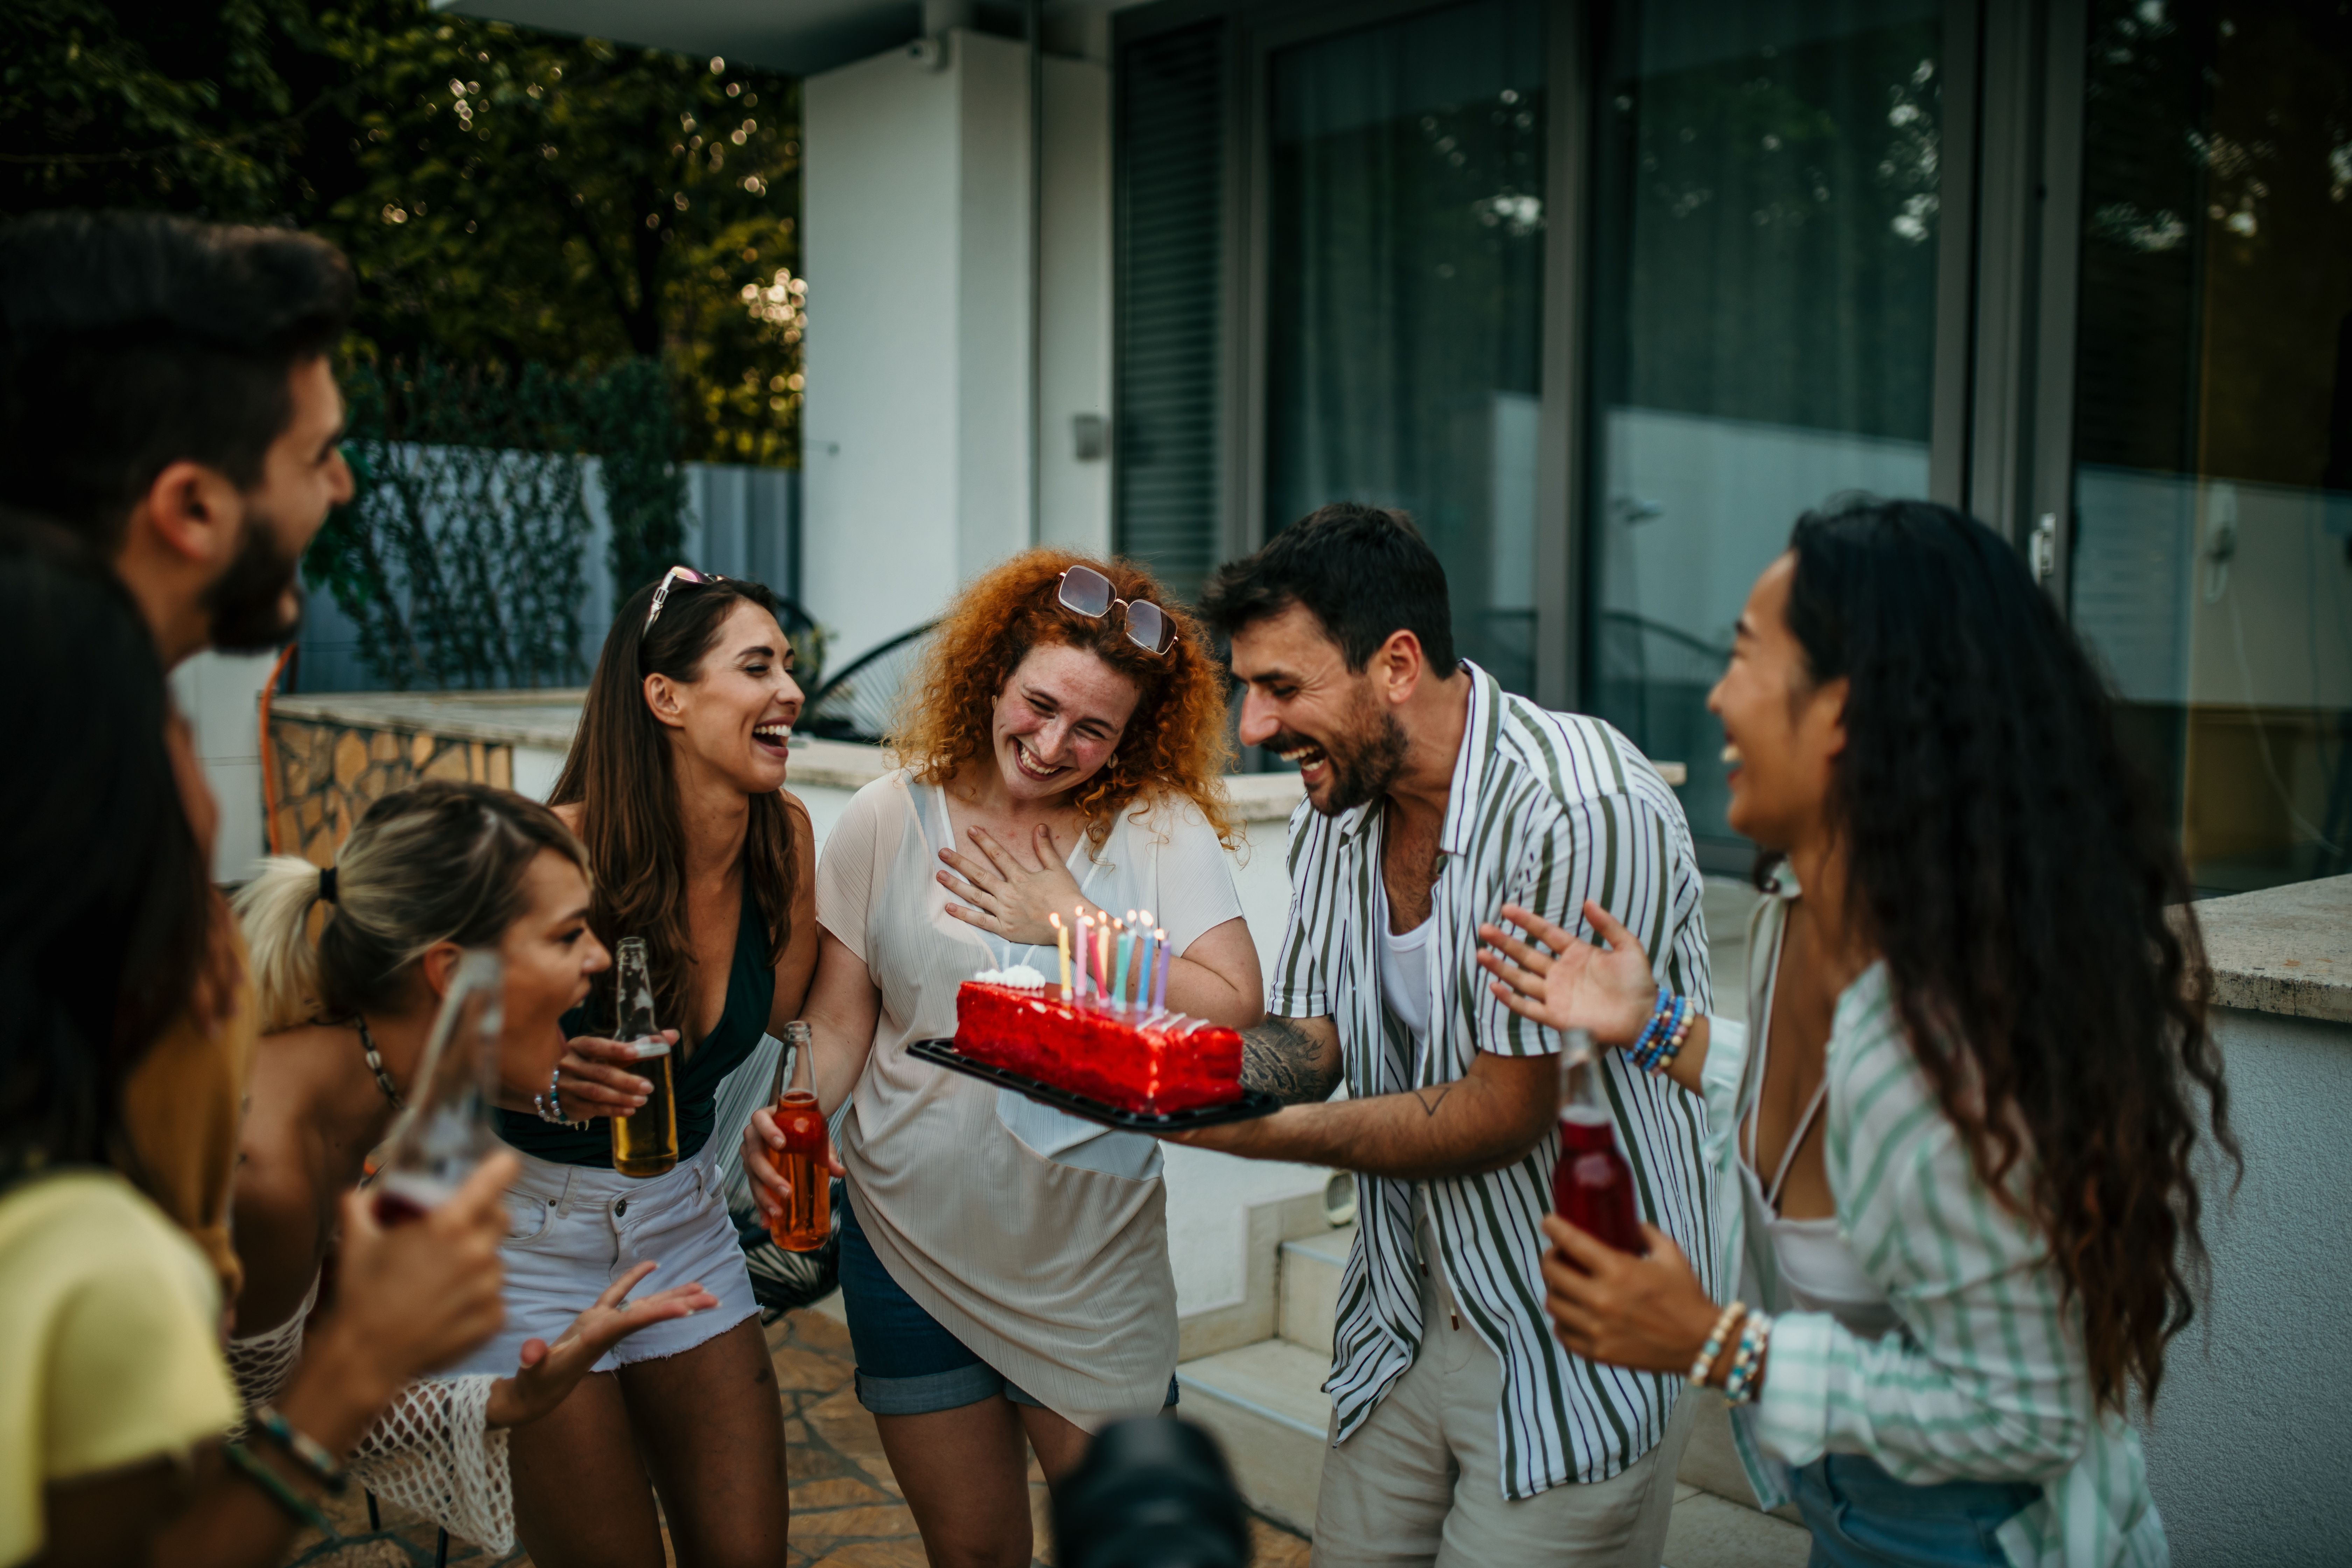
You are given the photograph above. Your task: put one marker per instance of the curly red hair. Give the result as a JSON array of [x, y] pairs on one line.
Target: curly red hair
[[1174, 744]]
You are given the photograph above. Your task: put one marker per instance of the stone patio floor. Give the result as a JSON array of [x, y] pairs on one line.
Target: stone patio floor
[[846, 1512]]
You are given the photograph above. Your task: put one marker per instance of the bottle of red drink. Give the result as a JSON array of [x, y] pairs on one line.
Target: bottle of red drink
[[1592, 1186]]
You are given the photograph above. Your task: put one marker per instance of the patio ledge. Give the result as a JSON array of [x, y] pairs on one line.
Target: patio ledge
[[545, 721], [2284, 950]]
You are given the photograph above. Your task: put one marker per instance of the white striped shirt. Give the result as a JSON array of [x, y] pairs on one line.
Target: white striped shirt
[[1546, 810], [1989, 1379]]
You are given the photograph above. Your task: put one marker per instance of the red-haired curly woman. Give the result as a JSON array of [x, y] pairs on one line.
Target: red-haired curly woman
[[1005, 1266]]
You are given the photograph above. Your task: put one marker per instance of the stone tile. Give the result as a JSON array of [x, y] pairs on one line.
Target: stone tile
[[1706, 1531], [808, 1461], [810, 1372], [377, 1551], [1271, 1546], [820, 1333], [906, 1554], [843, 1423], [860, 1524], [836, 1491]]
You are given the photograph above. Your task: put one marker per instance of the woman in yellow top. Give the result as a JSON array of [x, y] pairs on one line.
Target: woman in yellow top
[[111, 1369]]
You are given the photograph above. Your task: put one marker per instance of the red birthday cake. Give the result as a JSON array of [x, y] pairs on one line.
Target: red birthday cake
[[1138, 1059]]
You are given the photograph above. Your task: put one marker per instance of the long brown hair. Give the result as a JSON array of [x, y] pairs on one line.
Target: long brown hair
[[1175, 742], [2005, 857], [618, 773]]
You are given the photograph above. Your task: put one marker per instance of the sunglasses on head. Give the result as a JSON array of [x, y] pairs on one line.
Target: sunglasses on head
[[685, 576], [1083, 591]]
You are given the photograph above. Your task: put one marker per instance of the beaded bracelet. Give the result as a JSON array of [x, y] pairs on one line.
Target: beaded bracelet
[[1661, 1016], [302, 1449], [273, 1486], [1740, 1384], [1661, 1040], [1714, 1346]]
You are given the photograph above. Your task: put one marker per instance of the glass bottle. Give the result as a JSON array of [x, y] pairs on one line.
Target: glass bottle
[[806, 1219], [644, 1141], [446, 1129], [1592, 1186]]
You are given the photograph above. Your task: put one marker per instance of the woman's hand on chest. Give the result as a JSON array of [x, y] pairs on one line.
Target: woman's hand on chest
[[1008, 890]]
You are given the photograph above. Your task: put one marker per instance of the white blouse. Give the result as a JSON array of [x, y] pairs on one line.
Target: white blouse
[[1039, 1239]]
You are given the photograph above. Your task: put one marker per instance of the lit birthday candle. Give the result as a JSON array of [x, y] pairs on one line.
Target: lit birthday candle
[[1143, 958], [1126, 954], [1160, 975], [1102, 957], [1062, 941], [1085, 950]]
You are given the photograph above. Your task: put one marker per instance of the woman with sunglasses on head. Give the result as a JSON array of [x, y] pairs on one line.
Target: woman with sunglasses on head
[[1962, 1121], [675, 783], [1004, 1266]]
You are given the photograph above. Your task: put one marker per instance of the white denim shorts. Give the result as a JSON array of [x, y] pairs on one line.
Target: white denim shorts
[[575, 1229]]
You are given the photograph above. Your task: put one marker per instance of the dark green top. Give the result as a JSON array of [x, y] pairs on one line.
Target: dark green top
[[750, 990]]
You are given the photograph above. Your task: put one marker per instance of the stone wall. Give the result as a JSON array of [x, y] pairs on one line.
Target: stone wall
[[327, 774]]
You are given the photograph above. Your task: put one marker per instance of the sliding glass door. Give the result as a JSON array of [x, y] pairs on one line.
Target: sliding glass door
[[1768, 203], [2212, 546], [1404, 234]]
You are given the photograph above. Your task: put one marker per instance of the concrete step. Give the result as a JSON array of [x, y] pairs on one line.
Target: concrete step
[[1265, 1402], [1311, 1267]]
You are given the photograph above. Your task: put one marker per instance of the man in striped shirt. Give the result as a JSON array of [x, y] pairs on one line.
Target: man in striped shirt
[[1461, 1431]]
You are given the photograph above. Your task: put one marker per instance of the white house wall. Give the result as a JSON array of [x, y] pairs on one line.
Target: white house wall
[[916, 225], [883, 255], [1074, 327]]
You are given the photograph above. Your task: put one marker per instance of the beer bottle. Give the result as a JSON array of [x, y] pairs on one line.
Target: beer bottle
[[644, 1141], [806, 1218]]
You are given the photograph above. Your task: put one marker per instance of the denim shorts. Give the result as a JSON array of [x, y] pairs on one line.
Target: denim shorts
[[1861, 1517], [907, 1363], [574, 1228]]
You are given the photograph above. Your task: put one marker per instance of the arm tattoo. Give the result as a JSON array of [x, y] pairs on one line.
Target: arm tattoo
[[1282, 1060]]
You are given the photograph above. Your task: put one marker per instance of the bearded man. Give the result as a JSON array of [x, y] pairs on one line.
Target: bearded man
[[1461, 1431], [166, 397]]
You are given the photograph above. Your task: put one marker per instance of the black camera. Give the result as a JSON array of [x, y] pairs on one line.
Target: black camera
[[1150, 1494]]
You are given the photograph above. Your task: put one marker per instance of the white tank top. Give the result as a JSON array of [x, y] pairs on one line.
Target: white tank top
[[1818, 1271], [1404, 972]]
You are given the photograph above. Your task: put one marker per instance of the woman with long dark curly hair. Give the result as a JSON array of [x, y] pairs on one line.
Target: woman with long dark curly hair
[[1962, 1116], [1005, 1266]]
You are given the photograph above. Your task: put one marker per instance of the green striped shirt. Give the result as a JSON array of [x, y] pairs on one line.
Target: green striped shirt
[[1546, 810], [1988, 1380]]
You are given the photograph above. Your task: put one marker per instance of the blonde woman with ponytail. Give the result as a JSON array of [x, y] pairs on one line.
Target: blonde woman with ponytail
[[350, 962]]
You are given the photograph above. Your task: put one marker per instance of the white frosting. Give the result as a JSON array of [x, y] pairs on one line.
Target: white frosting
[[1019, 976]]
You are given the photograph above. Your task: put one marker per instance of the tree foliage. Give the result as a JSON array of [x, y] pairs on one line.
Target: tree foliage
[[507, 198]]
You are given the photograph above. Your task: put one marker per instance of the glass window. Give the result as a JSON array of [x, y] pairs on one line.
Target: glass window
[[2212, 547], [1404, 275], [1763, 323]]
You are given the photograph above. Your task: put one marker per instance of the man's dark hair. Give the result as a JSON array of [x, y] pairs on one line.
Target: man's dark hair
[[1363, 571], [132, 341]]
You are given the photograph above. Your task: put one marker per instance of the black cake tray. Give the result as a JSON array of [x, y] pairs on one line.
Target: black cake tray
[[1253, 1104]]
